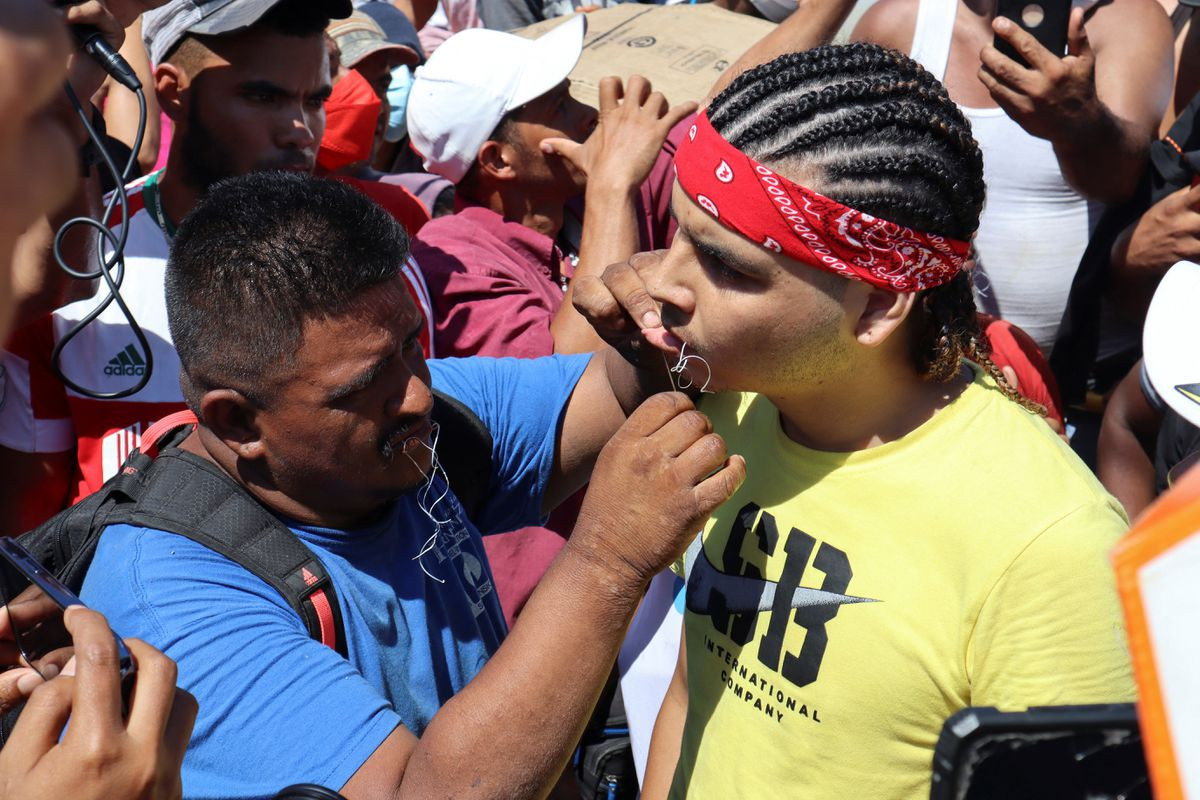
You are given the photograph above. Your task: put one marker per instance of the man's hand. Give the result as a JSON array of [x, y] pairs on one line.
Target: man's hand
[[1053, 97], [110, 18], [634, 123], [618, 305], [102, 755], [667, 450], [1168, 232]]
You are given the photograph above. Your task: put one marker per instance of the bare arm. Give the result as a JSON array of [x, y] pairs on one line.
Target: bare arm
[[1168, 232], [39, 285], [813, 23], [1127, 437], [509, 733], [668, 731], [121, 107], [890, 23], [617, 158], [1134, 75]]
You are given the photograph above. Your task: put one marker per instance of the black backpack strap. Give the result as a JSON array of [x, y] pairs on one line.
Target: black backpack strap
[[464, 450], [66, 543], [220, 515]]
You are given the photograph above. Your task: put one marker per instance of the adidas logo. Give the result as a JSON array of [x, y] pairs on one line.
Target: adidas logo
[[126, 362]]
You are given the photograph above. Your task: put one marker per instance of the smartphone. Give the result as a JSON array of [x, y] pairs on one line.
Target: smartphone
[[1049, 753], [1045, 20], [36, 600]]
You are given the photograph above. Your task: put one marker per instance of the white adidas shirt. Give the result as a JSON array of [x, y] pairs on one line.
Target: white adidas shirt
[[39, 414]]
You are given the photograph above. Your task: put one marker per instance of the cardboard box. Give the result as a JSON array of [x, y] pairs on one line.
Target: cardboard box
[[682, 49]]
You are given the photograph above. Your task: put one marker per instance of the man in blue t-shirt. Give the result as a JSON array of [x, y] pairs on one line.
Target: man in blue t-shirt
[[300, 354]]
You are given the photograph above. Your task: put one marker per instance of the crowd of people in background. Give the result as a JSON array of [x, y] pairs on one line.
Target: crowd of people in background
[[842, 362]]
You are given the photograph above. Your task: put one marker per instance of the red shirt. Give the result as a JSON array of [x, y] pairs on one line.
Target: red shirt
[[1013, 347], [39, 414]]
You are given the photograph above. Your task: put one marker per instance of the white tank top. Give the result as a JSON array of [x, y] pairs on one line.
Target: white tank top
[[1034, 226]]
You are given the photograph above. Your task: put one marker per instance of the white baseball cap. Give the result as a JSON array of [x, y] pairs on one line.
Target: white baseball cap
[[1170, 348], [476, 77]]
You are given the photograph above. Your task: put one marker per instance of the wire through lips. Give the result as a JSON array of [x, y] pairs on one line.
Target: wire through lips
[[427, 507], [681, 367]]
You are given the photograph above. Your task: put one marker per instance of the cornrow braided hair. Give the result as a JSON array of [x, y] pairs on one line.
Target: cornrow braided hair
[[872, 129]]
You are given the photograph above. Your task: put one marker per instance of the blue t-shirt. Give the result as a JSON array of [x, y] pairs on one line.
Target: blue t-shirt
[[277, 707]]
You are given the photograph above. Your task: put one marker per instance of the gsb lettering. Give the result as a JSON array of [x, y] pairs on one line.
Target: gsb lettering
[[754, 525]]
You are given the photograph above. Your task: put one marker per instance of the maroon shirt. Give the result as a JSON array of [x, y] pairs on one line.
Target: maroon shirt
[[495, 287]]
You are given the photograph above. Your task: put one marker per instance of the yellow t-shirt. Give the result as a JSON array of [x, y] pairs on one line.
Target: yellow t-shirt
[[964, 564]]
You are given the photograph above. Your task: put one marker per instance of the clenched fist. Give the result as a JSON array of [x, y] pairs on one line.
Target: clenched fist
[[654, 486]]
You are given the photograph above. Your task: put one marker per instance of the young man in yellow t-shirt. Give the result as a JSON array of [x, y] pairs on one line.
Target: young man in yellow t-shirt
[[909, 540]]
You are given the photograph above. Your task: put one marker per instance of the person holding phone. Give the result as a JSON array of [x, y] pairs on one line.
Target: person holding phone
[[1061, 133], [103, 754]]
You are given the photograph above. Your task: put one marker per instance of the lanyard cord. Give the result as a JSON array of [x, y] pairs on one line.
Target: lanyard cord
[[152, 195], [111, 268]]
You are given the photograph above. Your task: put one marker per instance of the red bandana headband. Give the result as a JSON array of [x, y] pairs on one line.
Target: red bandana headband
[[786, 218]]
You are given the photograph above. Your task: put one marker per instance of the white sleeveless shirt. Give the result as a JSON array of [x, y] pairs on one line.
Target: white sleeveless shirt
[[1034, 226]]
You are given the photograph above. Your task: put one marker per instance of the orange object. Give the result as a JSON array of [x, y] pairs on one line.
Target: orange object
[[1165, 540]]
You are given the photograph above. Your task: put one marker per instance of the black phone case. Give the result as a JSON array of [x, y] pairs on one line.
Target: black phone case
[[976, 741], [1052, 32]]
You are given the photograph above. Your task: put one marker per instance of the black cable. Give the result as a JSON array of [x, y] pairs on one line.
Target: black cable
[[116, 259]]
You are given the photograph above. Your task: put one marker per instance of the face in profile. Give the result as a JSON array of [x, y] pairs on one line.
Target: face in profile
[[760, 321], [348, 427], [556, 114]]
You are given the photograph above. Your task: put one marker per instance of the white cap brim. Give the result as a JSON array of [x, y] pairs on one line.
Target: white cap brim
[[551, 59], [1169, 341]]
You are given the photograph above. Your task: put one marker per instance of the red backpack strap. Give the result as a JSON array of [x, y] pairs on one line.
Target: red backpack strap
[[325, 619], [182, 493], [158, 430]]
